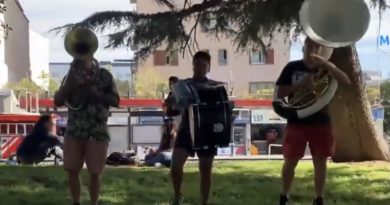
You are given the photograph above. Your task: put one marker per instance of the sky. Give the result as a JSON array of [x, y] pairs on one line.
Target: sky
[[47, 14], [371, 56]]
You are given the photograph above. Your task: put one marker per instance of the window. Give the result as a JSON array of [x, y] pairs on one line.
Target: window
[[255, 87], [12, 129], [162, 58], [172, 58], [222, 57], [21, 129], [258, 56], [4, 129]]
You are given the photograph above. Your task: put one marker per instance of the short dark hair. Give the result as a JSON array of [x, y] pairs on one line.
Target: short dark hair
[[311, 41], [173, 79], [202, 55]]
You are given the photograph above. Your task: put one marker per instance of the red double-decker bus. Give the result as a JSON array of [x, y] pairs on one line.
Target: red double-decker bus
[[13, 127]]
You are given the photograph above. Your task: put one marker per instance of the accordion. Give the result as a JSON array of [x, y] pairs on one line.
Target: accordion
[[210, 114]]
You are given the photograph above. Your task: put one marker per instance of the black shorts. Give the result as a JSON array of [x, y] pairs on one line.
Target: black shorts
[[184, 141]]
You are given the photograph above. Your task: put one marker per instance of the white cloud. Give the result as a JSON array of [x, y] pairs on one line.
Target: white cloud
[[47, 14]]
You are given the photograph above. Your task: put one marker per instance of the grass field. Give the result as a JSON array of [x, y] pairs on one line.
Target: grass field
[[235, 183]]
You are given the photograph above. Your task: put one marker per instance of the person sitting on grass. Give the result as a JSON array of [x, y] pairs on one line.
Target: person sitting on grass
[[163, 155], [40, 143]]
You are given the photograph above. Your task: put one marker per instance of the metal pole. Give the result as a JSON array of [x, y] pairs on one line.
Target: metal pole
[[36, 102], [28, 105]]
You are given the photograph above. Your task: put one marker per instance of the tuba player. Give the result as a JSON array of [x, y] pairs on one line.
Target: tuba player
[[315, 130], [86, 138]]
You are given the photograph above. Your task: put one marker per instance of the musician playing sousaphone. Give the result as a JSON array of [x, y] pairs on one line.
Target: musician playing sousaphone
[[309, 84], [316, 129], [88, 91]]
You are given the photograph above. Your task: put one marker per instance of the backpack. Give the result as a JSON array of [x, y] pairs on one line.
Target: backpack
[[117, 159]]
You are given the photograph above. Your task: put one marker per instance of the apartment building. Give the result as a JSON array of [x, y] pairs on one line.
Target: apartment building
[[17, 45], [39, 59], [244, 73], [121, 69]]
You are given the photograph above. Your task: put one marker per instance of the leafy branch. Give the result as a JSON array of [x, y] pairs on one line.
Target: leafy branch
[[4, 27], [248, 23]]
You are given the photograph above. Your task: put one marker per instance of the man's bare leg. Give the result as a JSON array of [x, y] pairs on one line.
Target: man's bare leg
[[320, 172], [179, 157], [288, 173], [205, 168]]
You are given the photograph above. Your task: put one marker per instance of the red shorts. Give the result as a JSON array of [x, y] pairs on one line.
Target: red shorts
[[319, 138]]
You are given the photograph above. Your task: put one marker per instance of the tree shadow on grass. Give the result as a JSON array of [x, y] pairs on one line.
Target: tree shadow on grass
[[148, 186]]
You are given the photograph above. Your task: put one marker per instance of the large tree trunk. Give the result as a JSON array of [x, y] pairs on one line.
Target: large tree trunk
[[356, 137]]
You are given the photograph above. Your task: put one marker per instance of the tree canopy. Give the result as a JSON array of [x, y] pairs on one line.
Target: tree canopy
[[149, 84], [246, 22], [123, 87], [26, 84]]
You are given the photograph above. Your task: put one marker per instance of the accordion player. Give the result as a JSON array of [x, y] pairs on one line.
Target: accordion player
[[209, 110]]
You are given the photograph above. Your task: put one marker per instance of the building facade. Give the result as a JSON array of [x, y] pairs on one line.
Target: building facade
[[120, 69], [39, 59], [3, 65], [17, 52], [244, 73]]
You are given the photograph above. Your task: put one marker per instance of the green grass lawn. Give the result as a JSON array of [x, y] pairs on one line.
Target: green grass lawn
[[235, 183]]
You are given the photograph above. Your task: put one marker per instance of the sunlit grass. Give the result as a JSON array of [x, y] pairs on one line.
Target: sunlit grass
[[246, 183]]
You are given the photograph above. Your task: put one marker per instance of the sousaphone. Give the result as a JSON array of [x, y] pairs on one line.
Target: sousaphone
[[332, 24], [80, 43]]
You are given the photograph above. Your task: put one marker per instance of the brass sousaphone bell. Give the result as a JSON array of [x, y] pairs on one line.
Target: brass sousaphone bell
[[80, 43], [332, 24]]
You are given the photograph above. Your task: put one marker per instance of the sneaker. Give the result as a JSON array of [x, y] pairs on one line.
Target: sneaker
[[318, 201], [178, 200], [283, 200]]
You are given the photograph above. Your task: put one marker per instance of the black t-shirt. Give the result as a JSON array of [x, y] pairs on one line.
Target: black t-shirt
[[292, 73], [170, 103]]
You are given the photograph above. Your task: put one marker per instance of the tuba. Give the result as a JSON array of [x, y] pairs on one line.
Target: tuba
[[80, 43], [327, 23]]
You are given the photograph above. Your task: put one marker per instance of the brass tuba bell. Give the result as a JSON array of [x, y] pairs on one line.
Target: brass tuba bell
[[81, 43], [335, 23]]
